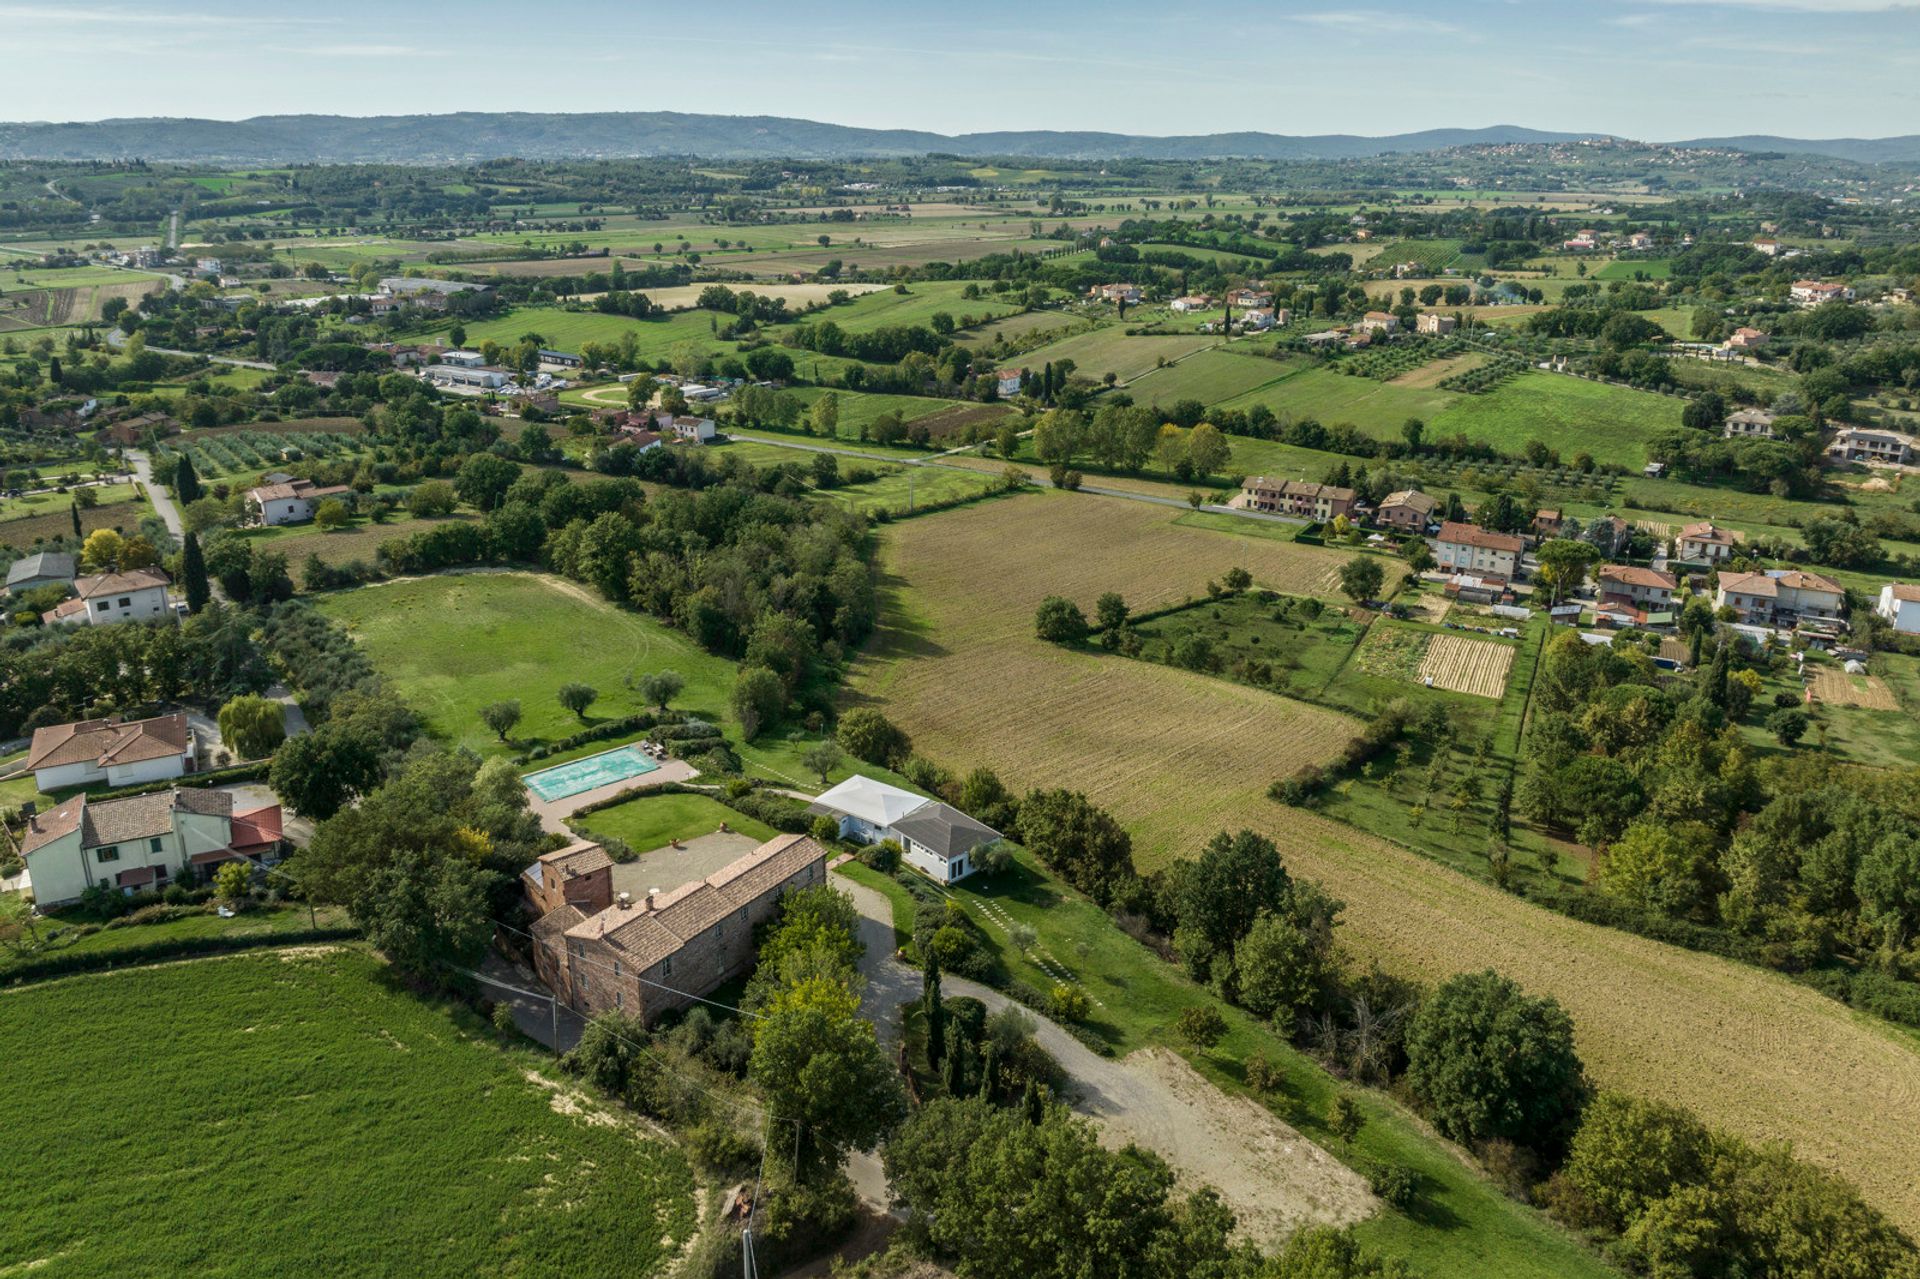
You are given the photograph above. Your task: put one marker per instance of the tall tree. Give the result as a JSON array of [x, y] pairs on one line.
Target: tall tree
[[186, 481], [193, 574], [934, 1011]]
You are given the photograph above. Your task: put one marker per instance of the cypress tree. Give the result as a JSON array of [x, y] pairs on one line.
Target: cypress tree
[[193, 569], [936, 1012], [75, 508], [186, 481], [1032, 1104]]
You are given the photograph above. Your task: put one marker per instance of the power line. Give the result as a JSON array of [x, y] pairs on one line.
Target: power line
[[604, 966]]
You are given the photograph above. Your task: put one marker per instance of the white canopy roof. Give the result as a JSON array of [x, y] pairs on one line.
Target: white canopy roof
[[875, 803]]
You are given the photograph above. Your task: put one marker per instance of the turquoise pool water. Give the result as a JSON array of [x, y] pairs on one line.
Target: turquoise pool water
[[585, 774]]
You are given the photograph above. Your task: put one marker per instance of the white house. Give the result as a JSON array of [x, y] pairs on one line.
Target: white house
[[1781, 598], [463, 359], [1814, 292], [937, 840], [1900, 605], [1753, 424], [293, 502], [1193, 302], [1007, 382], [117, 752], [1432, 322], [1468, 548], [490, 379], [138, 595], [1705, 542], [688, 430], [1859, 444], [141, 842]]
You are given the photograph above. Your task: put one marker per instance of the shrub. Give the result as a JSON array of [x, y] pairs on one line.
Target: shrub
[[1344, 1119], [1060, 621], [1069, 1003], [503, 1019], [1264, 1075], [869, 735], [1396, 1184], [824, 830], [883, 857], [1202, 1025]]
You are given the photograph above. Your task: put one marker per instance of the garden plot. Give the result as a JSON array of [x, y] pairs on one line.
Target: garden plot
[[1393, 652], [1467, 666], [1837, 688]]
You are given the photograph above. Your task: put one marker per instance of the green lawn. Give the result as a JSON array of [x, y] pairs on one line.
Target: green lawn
[[1208, 376], [1110, 350], [567, 330], [1238, 525], [73, 932], [1378, 408], [298, 1114], [922, 301], [42, 503], [654, 821], [1569, 414], [1462, 1225]]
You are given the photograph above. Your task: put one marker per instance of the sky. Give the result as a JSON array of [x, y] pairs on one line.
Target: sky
[[1654, 70]]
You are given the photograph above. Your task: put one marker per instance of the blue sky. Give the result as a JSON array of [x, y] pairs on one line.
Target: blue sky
[[1653, 69]]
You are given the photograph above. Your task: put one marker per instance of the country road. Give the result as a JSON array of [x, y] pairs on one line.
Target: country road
[[116, 338], [162, 500]]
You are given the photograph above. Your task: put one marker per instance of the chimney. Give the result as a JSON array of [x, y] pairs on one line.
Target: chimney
[[651, 894], [625, 901]]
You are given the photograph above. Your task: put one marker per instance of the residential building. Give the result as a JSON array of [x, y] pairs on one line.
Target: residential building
[[1257, 319], [1872, 446], [138, 595], [464, 359], [1547, 522], [936, 839], [1007, 382], [1408, 509], [1781, 597], [1747, 339], [1751, 424], [1196, 302], [692, 430], [1243, 298], [1640, 240], [1434, 323], [1302, 499], [1581, 243], [1609, 534], [141, 842], [604, 952], [117, 752], [1639, 588], [1127, 294], [456, 375], [1767, 246], [1470, 549], [1900, 605], [43, 568], [291, 502], [1705, 543], [1379, 322], [1814, 292]]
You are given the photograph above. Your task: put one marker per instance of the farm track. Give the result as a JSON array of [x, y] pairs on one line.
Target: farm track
[[1179, 757]]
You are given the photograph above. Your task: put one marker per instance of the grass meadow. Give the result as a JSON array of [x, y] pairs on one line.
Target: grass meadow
[[654, 821], [294, 1113], [957, 665]]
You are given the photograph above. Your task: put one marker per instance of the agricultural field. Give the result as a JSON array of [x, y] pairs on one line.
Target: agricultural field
[[1462, 665], [242, 451], [1207, 376], [1013, 328], [27, 532], [683, 297], [1110, 350], [1871, 719], [957, 665], [335, 1106], [569, 330], [1572, 415], [890, 308], [1378, 408]]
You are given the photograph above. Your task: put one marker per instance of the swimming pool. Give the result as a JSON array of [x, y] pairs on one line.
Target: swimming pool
[[578, 775]]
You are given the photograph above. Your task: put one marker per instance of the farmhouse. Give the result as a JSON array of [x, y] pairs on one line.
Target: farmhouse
[[1246, 297], [1859, 444], [1547, 522], [1635, 587], [1380, 322], [1257, 319], [692, 430], [1747, 339], [600, 951], [1705, 543], [1434, 323], [1767, 246], [1581, 243], [936, 839], [1007, 382], [141, 842], [1468, 548], [1409, 508], [137, 595], [1900, 605], [117, 752], [1302, 499], [1783, 597], [1751, 424], [292, 502], [1814, 292], [1640, 240], [1194, 302], [44, 568], [1125, 294]]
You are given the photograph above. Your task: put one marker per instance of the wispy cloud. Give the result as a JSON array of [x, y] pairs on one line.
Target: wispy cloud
[[62, 15], [1374, 21], [360, 50]]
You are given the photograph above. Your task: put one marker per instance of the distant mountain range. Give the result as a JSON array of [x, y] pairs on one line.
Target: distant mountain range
[[464, 137]]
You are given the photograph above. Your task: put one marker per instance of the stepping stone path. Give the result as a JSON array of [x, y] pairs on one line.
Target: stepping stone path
[[1043, 959]]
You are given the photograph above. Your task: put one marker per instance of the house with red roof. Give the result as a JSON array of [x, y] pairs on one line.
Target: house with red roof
[[141, 842], [117, 752]]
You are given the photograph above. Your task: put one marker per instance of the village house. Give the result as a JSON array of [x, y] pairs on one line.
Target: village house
[[1750, 424], [1434, 324], [1547, 522], [1781, 597], [1643, 589], [1814, 292], [138, 595], [1248, 297], [292, 502], [1900, 605], [141, 842], [1705, 542], [42, 568], [1468, 548], [1125, 294], [1640, 241], [1407, 509], [1769, 247], [936, 839], [1872, 446], [117, 752], [600, 951], [1194, 302], [1583, 242], [1380, 322], [1256, 319], [1301, 499], [1007, 382], [692, 430], [1747, 339]]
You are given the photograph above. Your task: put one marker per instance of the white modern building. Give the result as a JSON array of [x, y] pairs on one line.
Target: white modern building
[[293, 502], [1900, 605], [937, 840]]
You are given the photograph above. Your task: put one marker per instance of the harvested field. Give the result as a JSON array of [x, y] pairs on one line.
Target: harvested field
[[1393, 652], [1178, 757], [1837, 688], [958, 418], [1467, 666], [1439, 370]]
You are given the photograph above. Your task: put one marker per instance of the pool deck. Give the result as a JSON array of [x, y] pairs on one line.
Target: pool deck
[[553, 812]]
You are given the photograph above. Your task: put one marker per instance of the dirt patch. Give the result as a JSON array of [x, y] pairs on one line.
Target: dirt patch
[[1837, 688], [961, 416], [1274, 1179], [1437, 372], [1467, 666]]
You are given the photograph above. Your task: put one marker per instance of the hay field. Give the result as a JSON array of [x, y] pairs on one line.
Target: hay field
[[1837, 688], [1178, 757], [1440, 370], [1467, 666]]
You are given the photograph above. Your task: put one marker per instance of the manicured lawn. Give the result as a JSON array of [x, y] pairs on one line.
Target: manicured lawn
[[1462, 1225], [654, 821], [1238, 525], [296, 1113]]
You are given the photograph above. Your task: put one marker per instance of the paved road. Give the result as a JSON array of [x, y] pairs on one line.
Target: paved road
[[116, 338], [162, 501]]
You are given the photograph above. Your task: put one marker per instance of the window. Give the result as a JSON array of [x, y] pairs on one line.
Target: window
[[156, 844], [110, 853], [102, 606], [743, 914], [666, 966], [126, 601], [616, 968], [619, 1000]]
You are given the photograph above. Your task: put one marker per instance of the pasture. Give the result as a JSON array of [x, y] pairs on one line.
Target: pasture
[[568, 330], [889, 308], [374, 1132], [1179, 756], [796, 296], [1568, 414], [1110, 350]]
